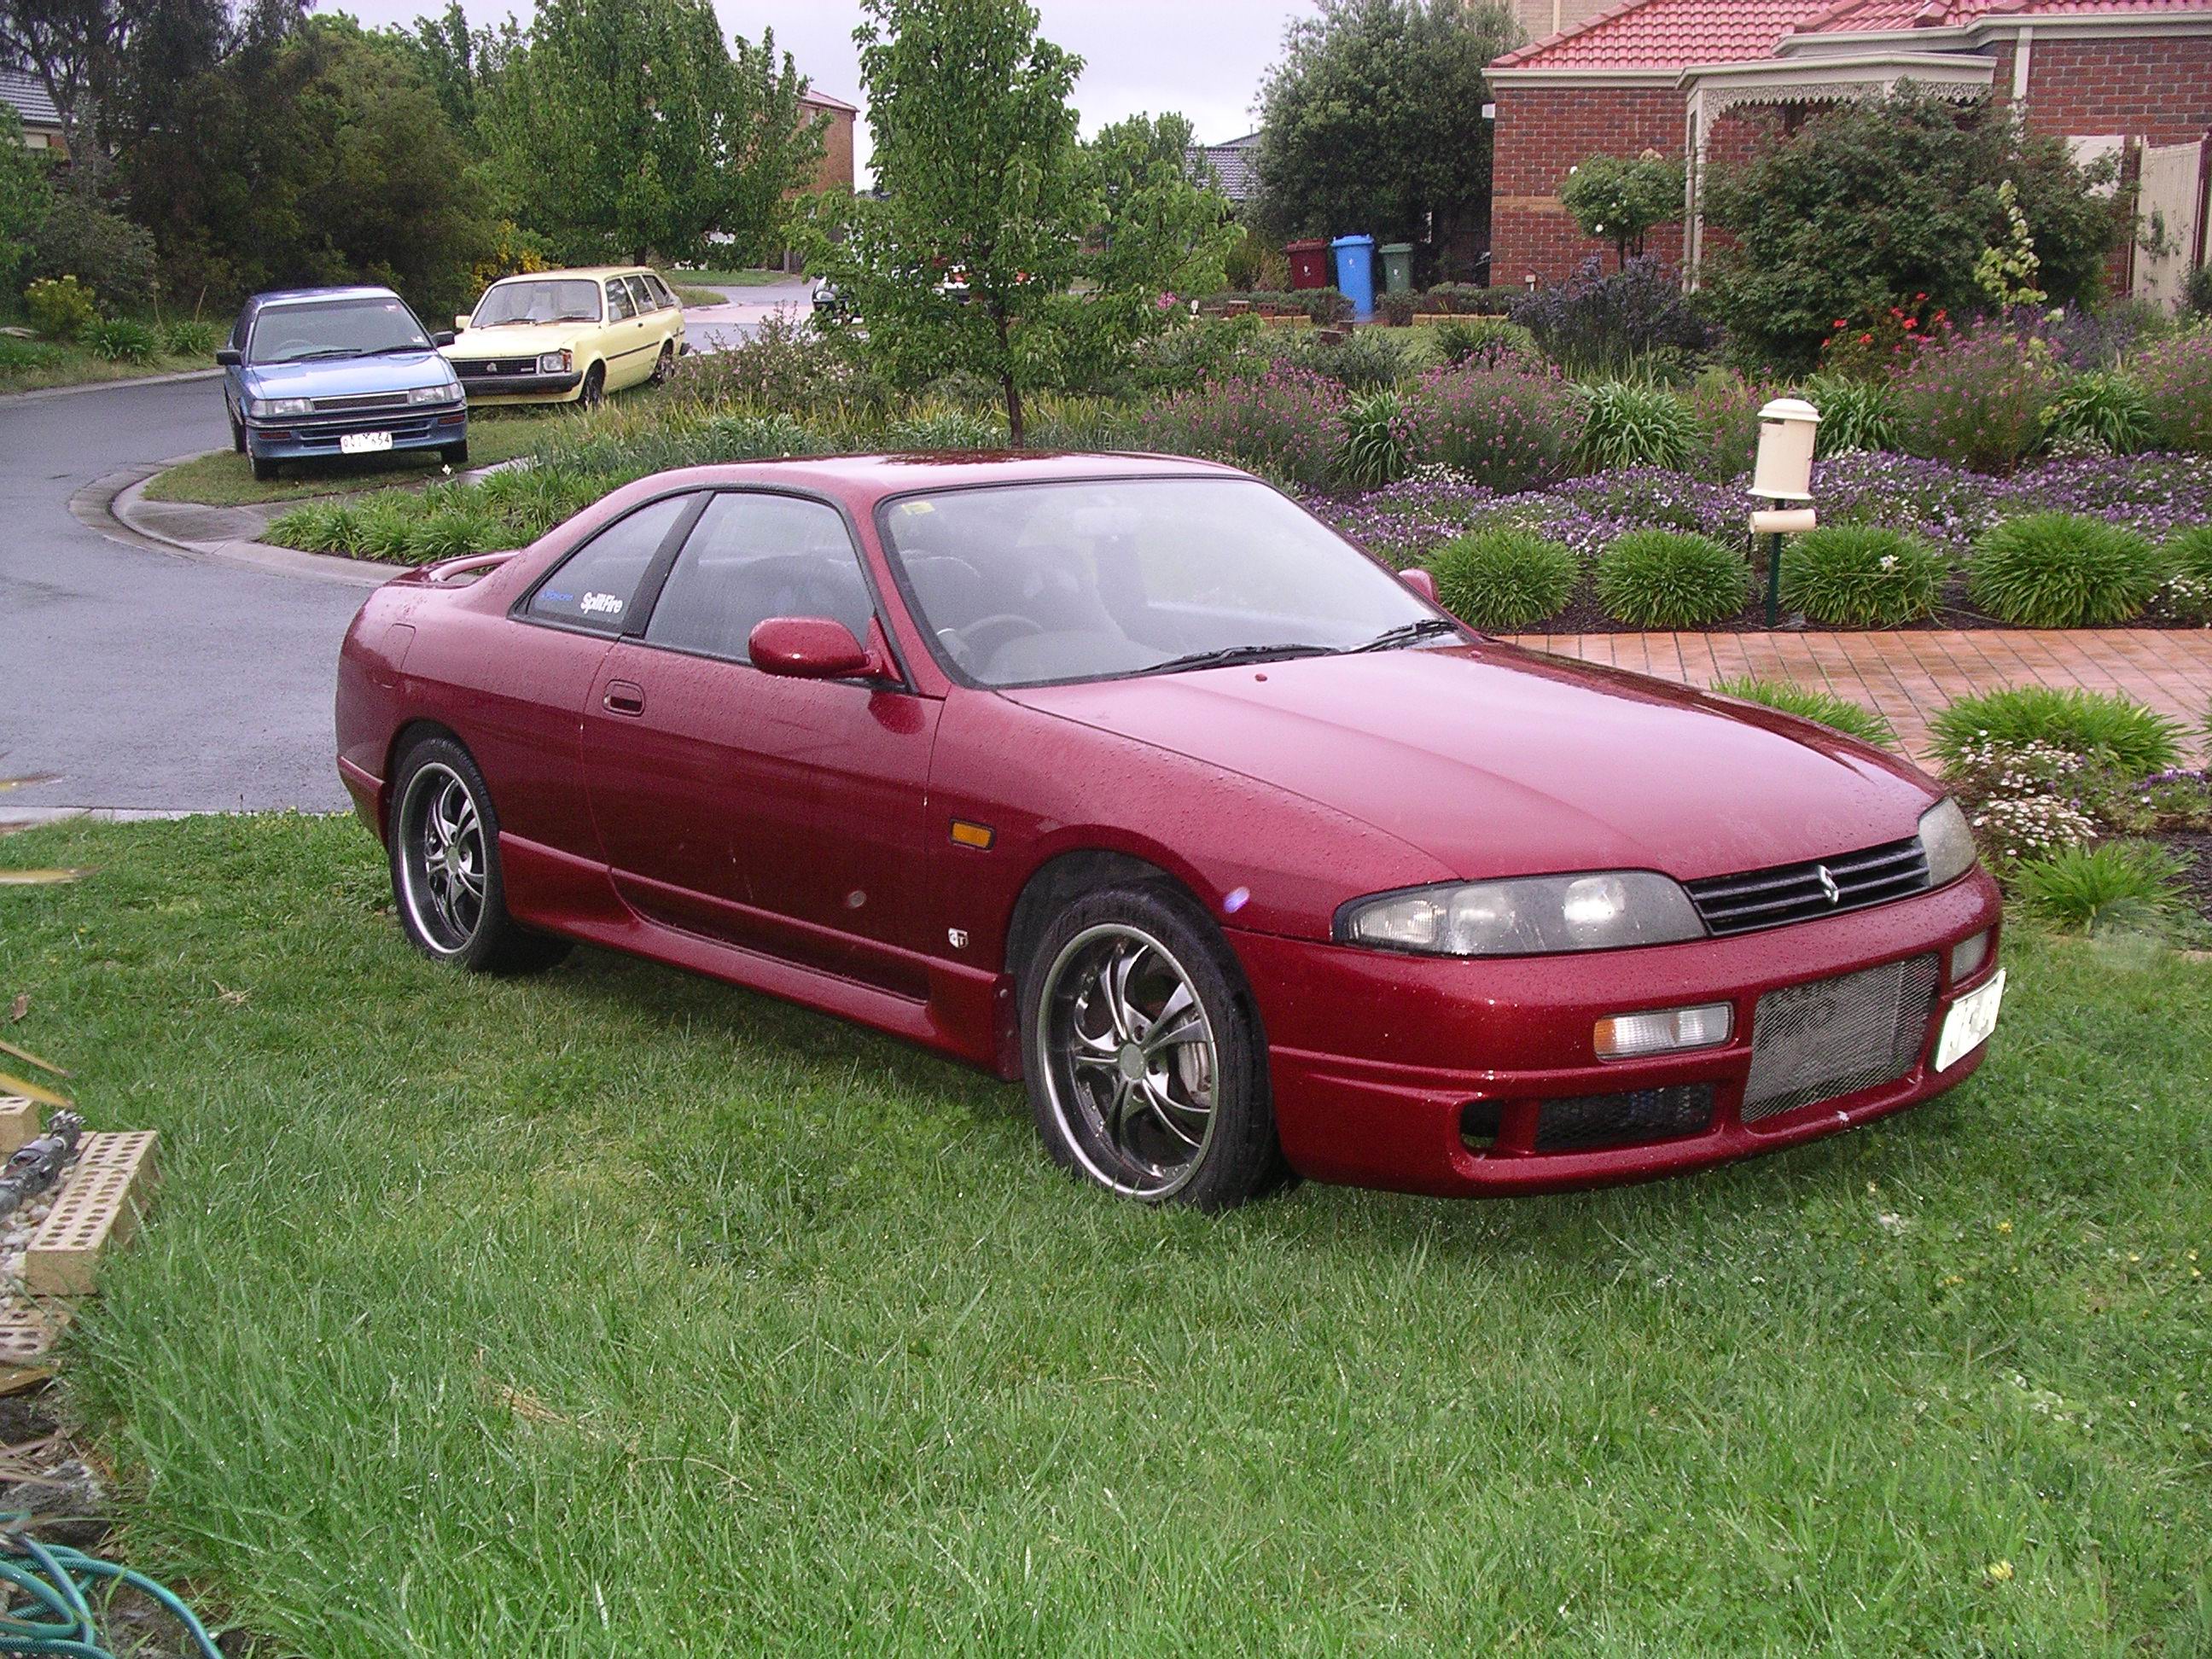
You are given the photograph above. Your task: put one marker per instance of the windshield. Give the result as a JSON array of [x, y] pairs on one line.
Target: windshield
[[532, 302], [334, 328], [1029, 584]]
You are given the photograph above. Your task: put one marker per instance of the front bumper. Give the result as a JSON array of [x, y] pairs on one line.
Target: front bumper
[[1376, 1059], [520, 388], [313, 436]]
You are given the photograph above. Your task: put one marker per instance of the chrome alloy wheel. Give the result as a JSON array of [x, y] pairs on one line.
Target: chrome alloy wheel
[[443, 865], [1131, 1065]]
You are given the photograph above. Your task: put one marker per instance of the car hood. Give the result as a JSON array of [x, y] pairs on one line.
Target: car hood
[[517, 340], [1497, 761], [345, 377]]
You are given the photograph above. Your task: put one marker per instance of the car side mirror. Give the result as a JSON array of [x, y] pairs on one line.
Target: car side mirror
[[444, 337], [228, 356], [809, 648], [460, 322], [1421, 582]]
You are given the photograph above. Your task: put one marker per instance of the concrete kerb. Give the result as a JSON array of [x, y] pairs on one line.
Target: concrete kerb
[[7, 398]]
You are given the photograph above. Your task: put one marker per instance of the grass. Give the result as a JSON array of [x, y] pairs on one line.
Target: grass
[[57, 364], [699, 296], [615, 1312], [732, 278], [1852, 719], [223, 478]]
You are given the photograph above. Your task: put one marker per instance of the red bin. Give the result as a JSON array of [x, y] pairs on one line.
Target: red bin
[[1308, 263]]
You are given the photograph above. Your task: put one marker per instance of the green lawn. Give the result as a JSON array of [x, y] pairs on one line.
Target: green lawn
[[688, 296], [55, 364], [615, 1313], [223, 478], [732, 278]]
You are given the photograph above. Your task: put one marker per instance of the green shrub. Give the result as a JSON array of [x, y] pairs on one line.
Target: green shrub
[[1488, 343], [1508, 430], [2117, 887], [190, 337], [1853, 719], [1061, 421], [2061, 570], [112, 255], [1396, 309], [18, 356], [452, 534], [2176, 377], [1504, 577], [1974, 400], [756, 437], [1668, 579], [944, 429], [1378, 441], [1724, 408], [2092, 724], [119, 340], [2187, 595], [1855, 414], [315, 527], [2197, 292], [1365, 359], [2100, 411], [1188, 355], [60, 307], [1631, 424], [1851, 575]]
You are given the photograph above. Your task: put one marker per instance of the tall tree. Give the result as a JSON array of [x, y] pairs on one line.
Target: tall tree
[[965, 257], [631, 128], [25, 196], [1372, 120]]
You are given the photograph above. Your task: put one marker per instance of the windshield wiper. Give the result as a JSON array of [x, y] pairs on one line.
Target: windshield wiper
[[315, 356], [1235, 654], [1406, 633], [386, 351]]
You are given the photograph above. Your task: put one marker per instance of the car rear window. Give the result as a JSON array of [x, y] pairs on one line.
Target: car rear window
[[641, 296], [595, 587]]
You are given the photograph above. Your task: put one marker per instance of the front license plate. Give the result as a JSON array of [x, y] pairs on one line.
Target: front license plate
[[363, 443], [1970, 1021]]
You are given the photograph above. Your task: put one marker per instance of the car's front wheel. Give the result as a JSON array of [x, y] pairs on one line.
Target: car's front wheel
[[1147, 1067], [594, 392], [264, 468], [455, 455], [443, 843], [237, 433]]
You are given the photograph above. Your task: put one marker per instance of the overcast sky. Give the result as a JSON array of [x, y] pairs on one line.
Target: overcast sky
[[1202, 57]]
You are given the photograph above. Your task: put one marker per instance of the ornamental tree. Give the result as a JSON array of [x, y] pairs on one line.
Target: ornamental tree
[[631, 129], [1622, 199]]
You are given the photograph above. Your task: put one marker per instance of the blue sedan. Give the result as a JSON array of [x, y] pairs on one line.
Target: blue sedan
[[312, 372]]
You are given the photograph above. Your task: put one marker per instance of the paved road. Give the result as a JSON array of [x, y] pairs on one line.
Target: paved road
[[155, 681], [144, 679]]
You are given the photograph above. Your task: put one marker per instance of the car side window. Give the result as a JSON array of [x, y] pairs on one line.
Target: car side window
[[753, 556], [640, 294], [595, 587], [619, 309], [660, 291]]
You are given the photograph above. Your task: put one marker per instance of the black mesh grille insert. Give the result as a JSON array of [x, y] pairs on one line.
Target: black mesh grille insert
[[1581, 1122], [1797, 892], [1835, 1037]]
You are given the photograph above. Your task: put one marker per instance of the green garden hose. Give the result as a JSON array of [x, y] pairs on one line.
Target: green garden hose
[[48, 1612]]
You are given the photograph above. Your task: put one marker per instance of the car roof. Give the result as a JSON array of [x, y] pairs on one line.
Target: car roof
[[859, 481], [355, 291], [599, 271]]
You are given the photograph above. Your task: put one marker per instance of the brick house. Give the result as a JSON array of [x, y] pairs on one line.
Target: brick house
[[1702, 78], [27, 96], [835, 171]]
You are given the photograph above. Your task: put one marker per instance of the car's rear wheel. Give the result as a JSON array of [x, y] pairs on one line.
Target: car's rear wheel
[[594, 391], [443, 844], [664, 365], [1147, 1068]]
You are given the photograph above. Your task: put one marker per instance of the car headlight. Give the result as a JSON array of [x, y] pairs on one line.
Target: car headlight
[[434, 394], [269, 408], [1530, 916], [1946, 841], [556, 363]]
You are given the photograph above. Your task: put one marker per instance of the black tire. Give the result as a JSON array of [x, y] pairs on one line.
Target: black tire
[[237, 433], [1211, 1095], [265, 470], [595, 388], [456, 455], [664, 364], [429, 893]]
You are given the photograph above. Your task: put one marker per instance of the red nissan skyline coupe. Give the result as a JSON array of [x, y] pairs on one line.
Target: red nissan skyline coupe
[[1124, 776]]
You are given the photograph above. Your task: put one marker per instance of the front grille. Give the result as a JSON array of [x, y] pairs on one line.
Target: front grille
[[1583, 1122], [368, 400], [476, 369], [1836, 1036], [1821, 887]]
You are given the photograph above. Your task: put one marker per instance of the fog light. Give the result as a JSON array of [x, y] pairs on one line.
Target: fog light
[[1663, 1031], [1967, 957]]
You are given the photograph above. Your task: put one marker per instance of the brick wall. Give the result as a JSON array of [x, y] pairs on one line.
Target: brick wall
[[2158, 88], [1541, 133]]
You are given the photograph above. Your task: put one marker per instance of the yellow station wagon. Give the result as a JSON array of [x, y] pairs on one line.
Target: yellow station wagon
[[557, 337]]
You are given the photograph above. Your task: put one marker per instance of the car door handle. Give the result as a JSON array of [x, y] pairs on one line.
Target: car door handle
[[624, 698]]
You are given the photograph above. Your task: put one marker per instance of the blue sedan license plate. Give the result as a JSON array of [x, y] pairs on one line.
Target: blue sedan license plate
[[363, 443]]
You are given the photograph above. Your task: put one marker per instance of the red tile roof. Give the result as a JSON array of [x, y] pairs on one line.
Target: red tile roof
[[1665, 34], [1659, 34]]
